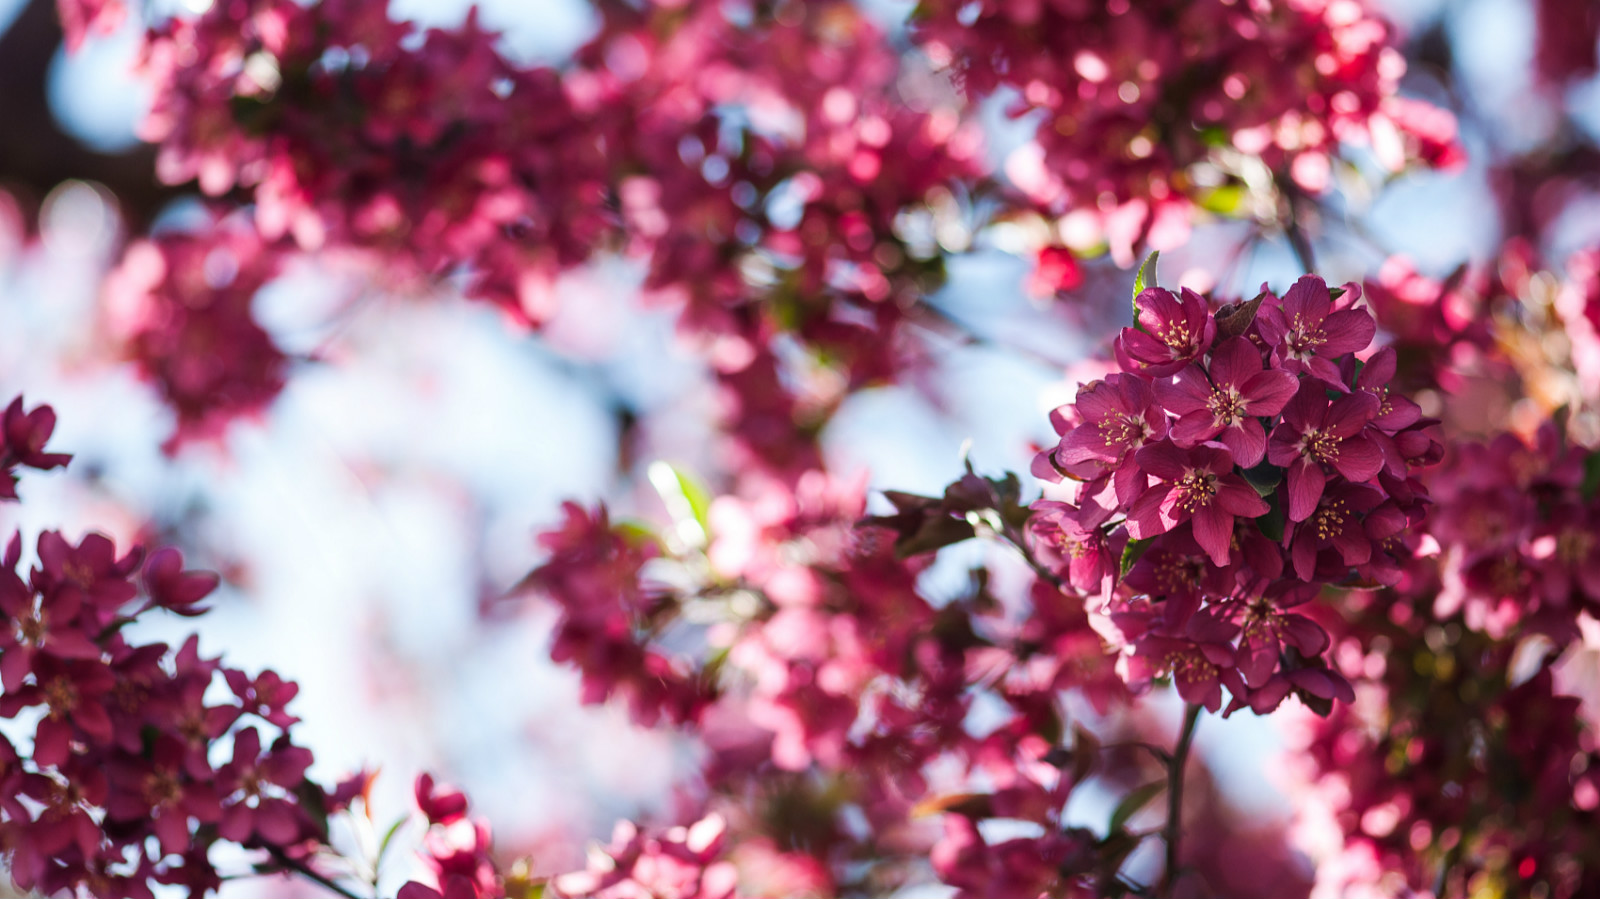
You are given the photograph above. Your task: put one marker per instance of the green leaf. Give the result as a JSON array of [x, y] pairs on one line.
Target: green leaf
[[1591, 476], [1273, 523], [388, 837], [1264, 477], [1224, 200], [686, 499], [935, 533], [1335, 292], [1132, 553], [1131, 803], [1144, 279]]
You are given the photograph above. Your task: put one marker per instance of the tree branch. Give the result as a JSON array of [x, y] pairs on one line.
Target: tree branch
[[35, 153], [1174, 829]]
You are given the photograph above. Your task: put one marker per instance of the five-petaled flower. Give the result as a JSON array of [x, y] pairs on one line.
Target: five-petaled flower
[[1226, 402], [1198, 484]]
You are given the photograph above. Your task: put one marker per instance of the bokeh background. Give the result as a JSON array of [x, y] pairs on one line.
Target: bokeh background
[[369, 524]]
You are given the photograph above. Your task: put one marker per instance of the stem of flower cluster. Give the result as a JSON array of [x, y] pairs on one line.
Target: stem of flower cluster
[[1020, 543], [1180, 758]]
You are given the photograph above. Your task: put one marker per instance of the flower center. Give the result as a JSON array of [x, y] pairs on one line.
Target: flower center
[[1178, 574], [1329, 519], [1121, 429], [1573, 546], [32, 626], [1304, 338], [1176, 335], [1320, 445], [1190, 665], [62, 697], [162, 790], [1072, 547], [1196, 489], [1227, 406], [78, 573]]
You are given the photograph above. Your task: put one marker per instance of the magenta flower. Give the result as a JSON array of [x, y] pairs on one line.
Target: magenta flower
[[263, 808], [1196, 483], [1172, 332], [1313, 433], [25, 434], [158, 792], [75, 695], [1196, 666], [1176, 569], [1395, 412], [173, 588], [1336, 523], [1306, 335], [1120, 415], [1229, 401], [1061, 541]]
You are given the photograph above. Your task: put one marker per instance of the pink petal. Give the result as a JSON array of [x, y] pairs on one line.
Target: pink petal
[[1358, 459], [1163, 459], [1236, 497], [1187, 391], [1247, 441], [1144, 517], [1304, 553], [1350, 331], [1235, 362], [1379, 370], [1213, 530], [1303, 634], [1349, 414], [1305, 481], [1196, 427], [1308, 298], [1305, 410], [1268, 392]]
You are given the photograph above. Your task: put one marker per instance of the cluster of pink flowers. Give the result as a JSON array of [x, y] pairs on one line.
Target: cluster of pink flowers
[[676, 863], [180, 307], [1241, 460], [353, 130], [456, 848], [121, 785], [1138, 102], [771, 151], [594, 574]]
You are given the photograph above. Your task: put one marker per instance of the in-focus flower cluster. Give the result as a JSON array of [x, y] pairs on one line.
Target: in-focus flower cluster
[[1243, 459]]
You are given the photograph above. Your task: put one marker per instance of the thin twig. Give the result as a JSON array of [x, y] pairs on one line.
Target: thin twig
[[1015, 538], [1298, 240], [309, 873], [1180, 756]]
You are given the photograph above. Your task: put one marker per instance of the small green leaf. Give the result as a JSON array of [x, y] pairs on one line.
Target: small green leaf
[[1132, 553], [388, 837], [687, 501], [1264, 477], [1335, 292], [1591, 476], [1144, 279], [1131, 803], [1273, 523], [1224, 200]]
